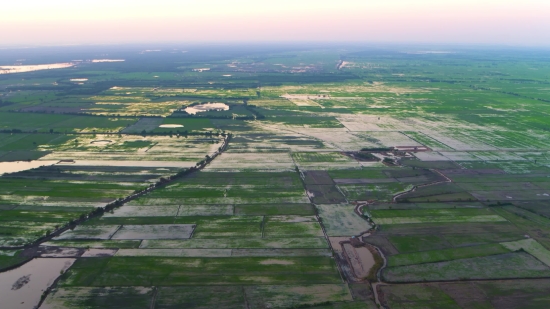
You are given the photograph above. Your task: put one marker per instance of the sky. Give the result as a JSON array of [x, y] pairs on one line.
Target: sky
[[485, 22]]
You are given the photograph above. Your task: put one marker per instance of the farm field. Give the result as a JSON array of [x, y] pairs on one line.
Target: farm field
[[324, 178]]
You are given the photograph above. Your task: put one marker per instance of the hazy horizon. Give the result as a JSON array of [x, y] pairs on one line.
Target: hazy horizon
[[62, 22]]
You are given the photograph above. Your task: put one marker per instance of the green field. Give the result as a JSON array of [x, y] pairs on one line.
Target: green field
[[439, 161]]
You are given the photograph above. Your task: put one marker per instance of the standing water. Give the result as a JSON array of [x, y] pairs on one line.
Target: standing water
[[21, 288]]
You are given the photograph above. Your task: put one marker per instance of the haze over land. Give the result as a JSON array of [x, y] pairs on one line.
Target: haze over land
[[512, 22]]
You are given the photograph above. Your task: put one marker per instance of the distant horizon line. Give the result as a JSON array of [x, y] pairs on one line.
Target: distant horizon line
[[300, 43]]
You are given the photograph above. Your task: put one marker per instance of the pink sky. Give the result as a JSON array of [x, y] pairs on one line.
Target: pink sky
[[510, 22]]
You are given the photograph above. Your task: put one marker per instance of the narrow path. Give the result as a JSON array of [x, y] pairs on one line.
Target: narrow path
[[447, 180]]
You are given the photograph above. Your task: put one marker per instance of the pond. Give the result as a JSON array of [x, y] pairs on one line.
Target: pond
[[192, 110]]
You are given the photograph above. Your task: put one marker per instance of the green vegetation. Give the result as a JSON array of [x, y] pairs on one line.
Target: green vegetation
[[446, 153], [445, 255], [147, 271], [510, 265]]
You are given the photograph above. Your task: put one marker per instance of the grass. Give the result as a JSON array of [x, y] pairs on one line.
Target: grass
[[532, 247], [434, 215], [100, 297], [240, 243], [274, 209], [418, 296], [481, 109], [415, 243], [383, 192], [446, 254], [10, 258], [96, 244], [341, 220], [292, 229], [291, 296], [510, 265], [147, 271], [231, 297]]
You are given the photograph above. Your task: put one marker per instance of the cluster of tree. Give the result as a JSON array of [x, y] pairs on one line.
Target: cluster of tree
[[11, 131]]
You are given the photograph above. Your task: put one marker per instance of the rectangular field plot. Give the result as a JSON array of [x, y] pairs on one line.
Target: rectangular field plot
[[516, 293], [434, 215], [90, 232], [62, 123], [141, 150], [99, 298], [240, 243], [406, 238], [108, 174], [95, 244], [466, 140], [125, 271], [323, 160], [225, 226], [361, 173], [243, 161], [147, 124], [48, 192], [431, 156], [510, 265], [325, 194], [498, 294], [497, 156], [341, 220], [377, 191], [21, 226], [516, 195], [157, 231], [144, 211], [442, 192], [459, 156], [274, 209], [174, 252], [205, 210], [288, 296], [274, 229], [391, 139], [281, 142], [200, 297], [532, 247], [425, 296], [426, 140], [280, 252], [317, 178], [230, 188], [510, 167], [446, 254], [341, 139]]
